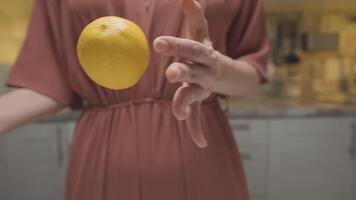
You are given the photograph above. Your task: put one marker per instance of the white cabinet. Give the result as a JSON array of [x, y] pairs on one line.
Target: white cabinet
[[298, 158], [252, 138], [33, 163], [311, 159], [70, 128], [2, 172]]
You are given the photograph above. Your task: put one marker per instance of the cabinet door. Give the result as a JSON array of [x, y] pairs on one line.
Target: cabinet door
[[33, 164], [252, 139], [68, 129], [311, 160], [2, 170]]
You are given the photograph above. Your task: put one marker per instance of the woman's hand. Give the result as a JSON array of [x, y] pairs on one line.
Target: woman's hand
[[199, 69]]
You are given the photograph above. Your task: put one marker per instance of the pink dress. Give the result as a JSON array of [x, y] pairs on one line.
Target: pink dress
[[127, 144]]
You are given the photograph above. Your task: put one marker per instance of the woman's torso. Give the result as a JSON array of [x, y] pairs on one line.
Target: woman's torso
[[161, 17]]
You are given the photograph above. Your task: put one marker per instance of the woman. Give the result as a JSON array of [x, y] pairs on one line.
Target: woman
[[135, 144]]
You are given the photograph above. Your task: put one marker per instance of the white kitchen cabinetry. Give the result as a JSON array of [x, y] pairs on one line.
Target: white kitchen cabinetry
[[70, 128], [312, 159], [252, 137], [33, 162], [2, 172], [284, 159]]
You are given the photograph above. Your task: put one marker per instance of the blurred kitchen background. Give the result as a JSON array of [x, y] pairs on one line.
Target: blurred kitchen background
[[297, 135]]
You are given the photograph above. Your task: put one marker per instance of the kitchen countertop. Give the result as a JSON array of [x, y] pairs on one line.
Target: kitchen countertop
[[259, 108], [251, 107], [263, 107]]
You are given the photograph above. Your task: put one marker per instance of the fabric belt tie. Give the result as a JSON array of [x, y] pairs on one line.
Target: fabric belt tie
[[193, 122]]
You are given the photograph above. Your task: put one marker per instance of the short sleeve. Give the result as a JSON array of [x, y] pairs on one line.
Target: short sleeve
[[40, 65], [248, 38]]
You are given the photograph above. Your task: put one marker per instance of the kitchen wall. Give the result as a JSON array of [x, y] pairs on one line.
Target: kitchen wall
[[14, 16], [13, 19], [312, 58]]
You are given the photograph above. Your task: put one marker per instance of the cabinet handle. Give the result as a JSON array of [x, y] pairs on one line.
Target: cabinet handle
[[353, 141], [242, 127], [60, 156]]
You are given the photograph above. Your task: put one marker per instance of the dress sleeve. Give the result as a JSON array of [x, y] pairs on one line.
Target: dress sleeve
[[40, 65], [248, 38]]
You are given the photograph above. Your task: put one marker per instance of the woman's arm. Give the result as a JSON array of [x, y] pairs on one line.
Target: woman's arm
[[22, 106]]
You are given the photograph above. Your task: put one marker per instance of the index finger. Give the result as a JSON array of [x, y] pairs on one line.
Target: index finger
[[186, 49], [197, 23]]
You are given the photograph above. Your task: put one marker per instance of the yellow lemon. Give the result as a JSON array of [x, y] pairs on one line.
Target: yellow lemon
[[113, 52]]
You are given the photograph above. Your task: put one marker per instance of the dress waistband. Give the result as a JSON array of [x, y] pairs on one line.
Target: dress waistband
[[138, 102]]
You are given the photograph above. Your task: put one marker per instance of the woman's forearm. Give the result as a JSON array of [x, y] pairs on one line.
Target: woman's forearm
[[22, 106], [237, 77]]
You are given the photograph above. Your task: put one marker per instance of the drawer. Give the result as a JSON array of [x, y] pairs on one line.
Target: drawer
[[250, 133], [255, 164]]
